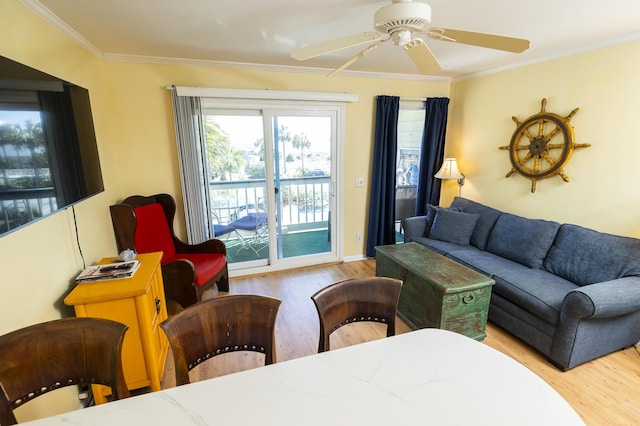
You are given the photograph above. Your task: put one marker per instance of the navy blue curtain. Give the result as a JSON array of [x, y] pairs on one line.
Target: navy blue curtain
[[431, 153], [381, 229]]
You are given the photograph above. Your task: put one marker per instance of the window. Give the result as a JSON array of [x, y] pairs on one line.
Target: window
[[410, 127], [275, 158]]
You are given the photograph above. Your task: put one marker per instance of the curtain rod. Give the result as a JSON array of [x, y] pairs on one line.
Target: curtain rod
[[289, 95]]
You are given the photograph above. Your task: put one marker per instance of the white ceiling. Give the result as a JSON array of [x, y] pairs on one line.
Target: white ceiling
[[262, 33]]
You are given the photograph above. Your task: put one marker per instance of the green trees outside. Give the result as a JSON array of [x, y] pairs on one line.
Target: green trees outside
[[284, 137], [24, 164], [27, 136], [222, 158], [225, 161], [301, 141]]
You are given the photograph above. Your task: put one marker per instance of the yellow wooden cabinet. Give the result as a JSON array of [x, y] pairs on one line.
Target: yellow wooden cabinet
[[138, 302]]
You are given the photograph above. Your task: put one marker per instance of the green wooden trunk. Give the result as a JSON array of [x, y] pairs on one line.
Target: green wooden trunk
[[436, 292]]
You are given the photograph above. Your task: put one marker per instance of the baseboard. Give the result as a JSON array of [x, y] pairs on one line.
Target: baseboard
[[354, 258]]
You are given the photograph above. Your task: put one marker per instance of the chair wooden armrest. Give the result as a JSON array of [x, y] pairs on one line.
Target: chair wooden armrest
[[209, 246], [179, 277]]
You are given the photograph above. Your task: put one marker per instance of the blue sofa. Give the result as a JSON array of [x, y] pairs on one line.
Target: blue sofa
[[570, 292]]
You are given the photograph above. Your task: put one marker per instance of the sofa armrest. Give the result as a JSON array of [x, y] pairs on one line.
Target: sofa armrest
[[414, 227], [603, 300], [597, 319]]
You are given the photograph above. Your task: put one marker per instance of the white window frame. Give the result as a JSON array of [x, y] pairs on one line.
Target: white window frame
[[266, 100]]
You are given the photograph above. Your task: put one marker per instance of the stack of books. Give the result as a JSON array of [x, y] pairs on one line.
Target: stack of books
[[108, 271]]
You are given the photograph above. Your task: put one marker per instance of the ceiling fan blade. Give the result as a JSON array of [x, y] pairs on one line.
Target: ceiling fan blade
[[330, 46], [509, 44], [422, 56], [358, 56]]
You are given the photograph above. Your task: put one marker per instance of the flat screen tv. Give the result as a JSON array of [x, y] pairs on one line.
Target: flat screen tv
[[48, 152]]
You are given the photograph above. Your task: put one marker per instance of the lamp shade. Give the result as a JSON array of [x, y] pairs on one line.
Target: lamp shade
[[449, 170]]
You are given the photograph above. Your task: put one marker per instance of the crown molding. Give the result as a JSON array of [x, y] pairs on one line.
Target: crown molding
[[564, 54], [247, 66], [37, 8]]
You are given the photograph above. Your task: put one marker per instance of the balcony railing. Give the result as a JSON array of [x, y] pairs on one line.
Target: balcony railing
[[303, 202], [21, 206]]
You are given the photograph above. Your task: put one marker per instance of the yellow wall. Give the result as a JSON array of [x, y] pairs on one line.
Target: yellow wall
[[605, 85], [39, 261], [134, 128], [139, 90]]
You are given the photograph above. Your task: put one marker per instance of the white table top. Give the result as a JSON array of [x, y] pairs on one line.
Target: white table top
[[428, 376]]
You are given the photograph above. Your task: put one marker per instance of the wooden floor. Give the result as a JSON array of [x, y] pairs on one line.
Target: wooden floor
[[603, 392]]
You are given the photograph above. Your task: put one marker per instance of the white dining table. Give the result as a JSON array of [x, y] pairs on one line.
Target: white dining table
[[424, 377]]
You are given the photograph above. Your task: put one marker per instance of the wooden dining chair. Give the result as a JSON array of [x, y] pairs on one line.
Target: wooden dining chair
[[47, 356], [243, 322], [362, 299], [145, 224]]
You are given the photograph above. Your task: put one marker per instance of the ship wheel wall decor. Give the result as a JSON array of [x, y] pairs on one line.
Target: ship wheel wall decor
[[542, 145]]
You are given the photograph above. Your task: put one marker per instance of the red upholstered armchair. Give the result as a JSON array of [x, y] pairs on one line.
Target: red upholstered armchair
[[145, 224]]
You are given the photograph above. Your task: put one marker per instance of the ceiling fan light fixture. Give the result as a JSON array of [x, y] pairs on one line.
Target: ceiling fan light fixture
[[402, 15], [402, 37]]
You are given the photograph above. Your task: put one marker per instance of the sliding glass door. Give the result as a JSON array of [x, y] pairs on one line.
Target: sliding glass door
[[237, 184], [272, 184]]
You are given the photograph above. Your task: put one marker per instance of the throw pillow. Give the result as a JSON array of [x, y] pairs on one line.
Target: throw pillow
[[453, 227], [431, 214], [488, 218]]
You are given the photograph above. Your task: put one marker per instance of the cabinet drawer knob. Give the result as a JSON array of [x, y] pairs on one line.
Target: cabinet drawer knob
[[157, 305]]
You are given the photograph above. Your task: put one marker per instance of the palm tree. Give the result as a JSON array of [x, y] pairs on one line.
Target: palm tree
[[24, 136], [284, 136], [222, 158], [5, 140], [301, 141], [31, 137]]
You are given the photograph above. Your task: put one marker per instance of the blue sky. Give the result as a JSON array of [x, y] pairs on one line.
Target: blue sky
[[18, 117], [244, 130]]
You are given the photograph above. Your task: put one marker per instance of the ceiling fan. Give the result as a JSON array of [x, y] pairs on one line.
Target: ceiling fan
[[399, 22]]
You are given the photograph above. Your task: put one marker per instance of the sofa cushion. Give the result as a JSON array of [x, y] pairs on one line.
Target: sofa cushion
[[488, 217], [430, 215], [453, 226], [535, 290], [522, 240], [443, 247], [488, 263], [585, 256]]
